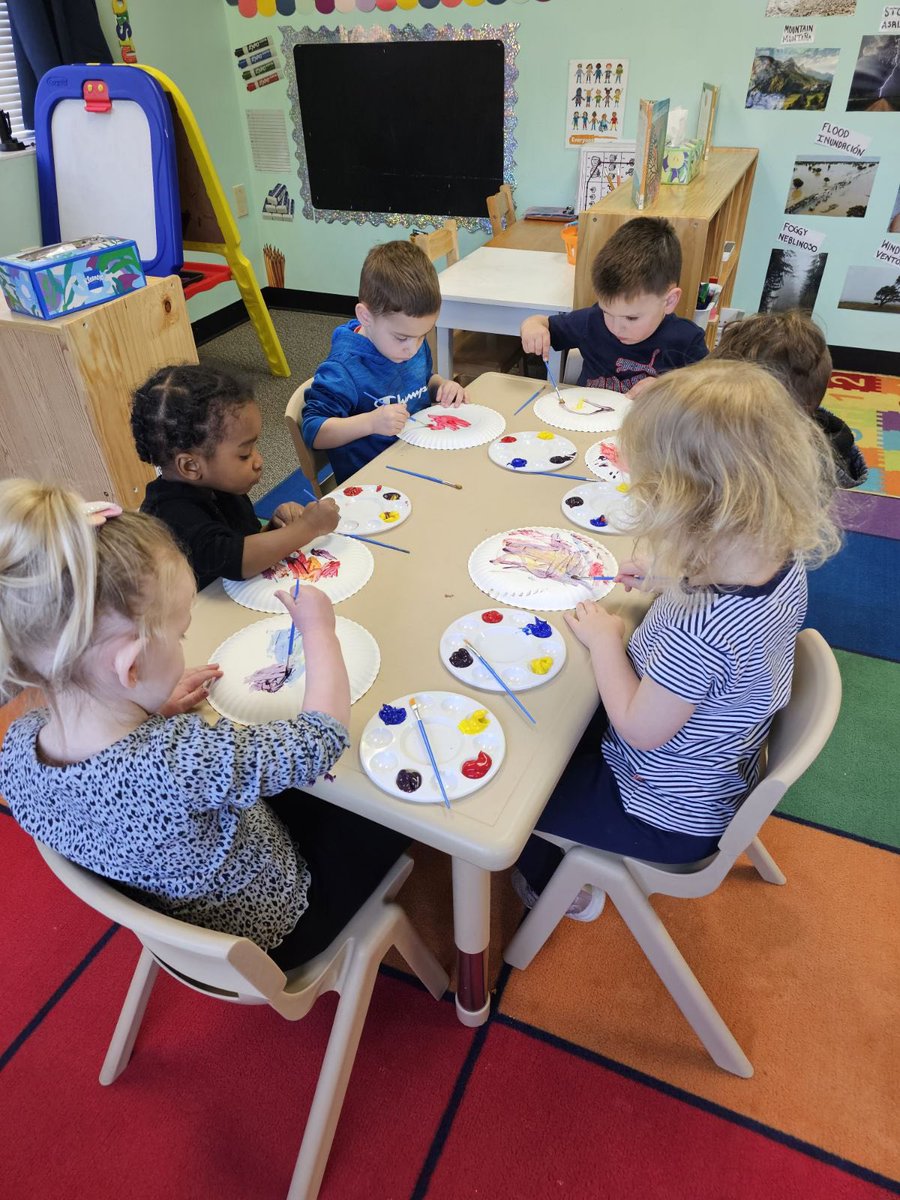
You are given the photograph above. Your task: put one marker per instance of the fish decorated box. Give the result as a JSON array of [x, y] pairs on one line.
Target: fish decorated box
[[682, 162], [49, 281]]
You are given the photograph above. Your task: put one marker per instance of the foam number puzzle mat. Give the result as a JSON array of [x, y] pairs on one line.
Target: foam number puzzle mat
[[870, 405]]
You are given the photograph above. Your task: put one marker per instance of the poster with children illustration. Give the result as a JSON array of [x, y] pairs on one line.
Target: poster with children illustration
[[595, 100]]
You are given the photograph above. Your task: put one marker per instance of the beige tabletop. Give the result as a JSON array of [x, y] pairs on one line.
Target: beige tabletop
[[408, 603]]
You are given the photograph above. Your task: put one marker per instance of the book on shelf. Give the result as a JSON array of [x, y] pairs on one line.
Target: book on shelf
[[650, 144], [709, 98]]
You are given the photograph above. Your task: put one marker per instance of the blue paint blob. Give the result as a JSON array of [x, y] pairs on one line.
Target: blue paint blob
[[392, 716], [518, 462], [538, 628], [599, 522]]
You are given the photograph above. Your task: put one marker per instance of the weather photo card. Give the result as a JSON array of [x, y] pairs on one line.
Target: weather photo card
[[795, 78], [875, 86], [825, 185], [792, 280]]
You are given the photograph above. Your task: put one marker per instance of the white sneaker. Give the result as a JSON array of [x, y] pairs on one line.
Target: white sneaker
[[587, 905]]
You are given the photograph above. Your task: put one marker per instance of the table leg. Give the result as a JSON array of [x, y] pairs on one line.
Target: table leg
[[444, 338], [472, 931]]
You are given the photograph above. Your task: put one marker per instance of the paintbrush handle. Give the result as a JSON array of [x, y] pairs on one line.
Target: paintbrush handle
[[560, 475], [430, 478], [487, 666], [528, 401], [290, 649], [431, 757], [358, 537]]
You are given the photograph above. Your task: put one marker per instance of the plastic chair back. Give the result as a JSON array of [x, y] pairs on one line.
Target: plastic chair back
[[312, 462]]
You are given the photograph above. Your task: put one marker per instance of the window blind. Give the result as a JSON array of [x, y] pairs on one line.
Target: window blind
[[9, 83]]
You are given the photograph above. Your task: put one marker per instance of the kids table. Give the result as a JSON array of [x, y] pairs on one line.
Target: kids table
[[493, 290], [407, 604]]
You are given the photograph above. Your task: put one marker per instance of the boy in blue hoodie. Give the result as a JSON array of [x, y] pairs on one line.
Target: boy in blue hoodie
[[379, 370]]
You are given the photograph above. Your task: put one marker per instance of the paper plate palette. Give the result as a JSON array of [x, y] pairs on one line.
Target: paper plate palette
[[535, 450], [524, 650], [603, 460], [442, 428], [337, 565], [597, 506], [254, 689], [584, 410], [370, 508], [542, 567], [466, 740]]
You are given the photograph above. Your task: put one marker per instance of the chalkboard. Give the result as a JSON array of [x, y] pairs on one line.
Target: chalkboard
[[402, 127]]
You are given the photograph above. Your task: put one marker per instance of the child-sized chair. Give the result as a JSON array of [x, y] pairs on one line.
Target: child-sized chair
[[237, 970], [473, 353], [797, 735], [501, 209], [313, 463]]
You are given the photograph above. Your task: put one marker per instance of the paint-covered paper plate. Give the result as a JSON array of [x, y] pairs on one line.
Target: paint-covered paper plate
[[466, 740], [524, 650], [337, 565], [442, 428], [254, 688], [370, 508], [534, 450], [584, 410], [598, 506], [542, 567], [603, 460]]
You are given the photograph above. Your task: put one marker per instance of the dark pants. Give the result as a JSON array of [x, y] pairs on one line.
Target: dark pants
[[586, 807], [347, 855]]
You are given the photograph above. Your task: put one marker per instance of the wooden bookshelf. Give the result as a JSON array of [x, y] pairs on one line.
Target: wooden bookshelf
[[707, 212]]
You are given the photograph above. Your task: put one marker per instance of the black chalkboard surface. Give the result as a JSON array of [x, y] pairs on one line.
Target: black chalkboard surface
[[403, 127]]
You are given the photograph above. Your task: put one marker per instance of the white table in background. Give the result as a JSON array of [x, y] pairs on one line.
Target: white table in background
[[407, 604], [493, 290]]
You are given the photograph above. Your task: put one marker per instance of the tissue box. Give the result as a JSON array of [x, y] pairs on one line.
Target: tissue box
[[51, 280], [681, 162]]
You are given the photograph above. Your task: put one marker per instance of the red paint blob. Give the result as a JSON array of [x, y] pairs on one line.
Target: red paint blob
[[507, 439], [353, 491], [491, 616], [477, 768]]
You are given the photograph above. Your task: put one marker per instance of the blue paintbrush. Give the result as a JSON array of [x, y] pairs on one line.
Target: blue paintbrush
[[287, 662], [555, 385], [358, 537], [529, 400], [487, 666], [560, 475], [434, 766], [430, 478]]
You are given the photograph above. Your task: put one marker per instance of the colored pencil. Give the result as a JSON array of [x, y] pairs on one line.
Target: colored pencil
[[437, 774], [287, 664], [515, 699], [555, 385], [358, 537], [529, 400], [560, 475], [430, 478]]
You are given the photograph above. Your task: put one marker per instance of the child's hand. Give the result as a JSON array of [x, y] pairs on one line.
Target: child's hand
[[451, 394], [286, 514], [190, 689], [389, 419], [631, 575], [321, 517], [535, 334], [591, 623], [312, 612]]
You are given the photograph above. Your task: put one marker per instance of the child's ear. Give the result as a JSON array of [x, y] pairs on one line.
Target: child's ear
[[125, 662], [364, 315], [188, 467], [672, 298]]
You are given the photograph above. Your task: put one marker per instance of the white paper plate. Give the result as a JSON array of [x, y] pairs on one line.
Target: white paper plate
[[601, 459], [578, 412], [391, 746], [257, 653], [370, 508], [597, 506], [497, 569], [342, 570], [534, 450], [524, 650], [481, 425]]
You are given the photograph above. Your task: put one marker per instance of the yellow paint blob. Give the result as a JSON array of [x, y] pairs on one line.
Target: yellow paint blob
[[621, 487], [388, 517], [545, 436], [475, 722], [540, 666]]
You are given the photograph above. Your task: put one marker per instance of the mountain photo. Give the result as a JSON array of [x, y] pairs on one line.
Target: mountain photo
[[791, 77]]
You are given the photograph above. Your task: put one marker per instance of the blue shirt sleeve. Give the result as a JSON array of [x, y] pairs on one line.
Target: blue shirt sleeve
[[332, 394], [569, 331]]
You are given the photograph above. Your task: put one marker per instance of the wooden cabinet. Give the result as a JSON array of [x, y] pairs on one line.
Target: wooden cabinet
[[66, 385], [706, 213]]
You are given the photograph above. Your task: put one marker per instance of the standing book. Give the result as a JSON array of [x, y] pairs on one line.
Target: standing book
[[709, 98], [650, 144]]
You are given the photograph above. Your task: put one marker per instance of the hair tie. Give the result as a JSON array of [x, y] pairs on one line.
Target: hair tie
[[98, 512]]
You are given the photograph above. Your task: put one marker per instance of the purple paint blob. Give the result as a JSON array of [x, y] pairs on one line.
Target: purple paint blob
[[461, 658], [562, 458], [518, 462], [391, 495], [271, 678], [574, 502], [391, 715], [599, 522], [409, 781], [538, 628]]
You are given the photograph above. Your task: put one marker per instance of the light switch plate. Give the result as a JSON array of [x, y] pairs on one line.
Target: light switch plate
[[240, 200]]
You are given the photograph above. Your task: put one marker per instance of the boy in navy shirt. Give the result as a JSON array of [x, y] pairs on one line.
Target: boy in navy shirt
[[379, 370], [631, 334]]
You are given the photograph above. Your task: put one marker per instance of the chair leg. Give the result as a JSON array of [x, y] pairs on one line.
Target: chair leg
[[334, 1077], [419, 957], [130, 1018], [764, 862], [683, 986], [546, 914]]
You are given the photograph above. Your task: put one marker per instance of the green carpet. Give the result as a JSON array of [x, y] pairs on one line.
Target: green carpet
[[852, 786]]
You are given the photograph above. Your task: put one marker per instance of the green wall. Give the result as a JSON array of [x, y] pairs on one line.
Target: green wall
[[672, 48]]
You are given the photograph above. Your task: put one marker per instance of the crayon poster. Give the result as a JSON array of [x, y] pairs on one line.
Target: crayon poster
[[595, 100]]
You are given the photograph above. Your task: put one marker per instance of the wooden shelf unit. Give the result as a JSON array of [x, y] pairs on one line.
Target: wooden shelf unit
[[66, 386], [708, 212]]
